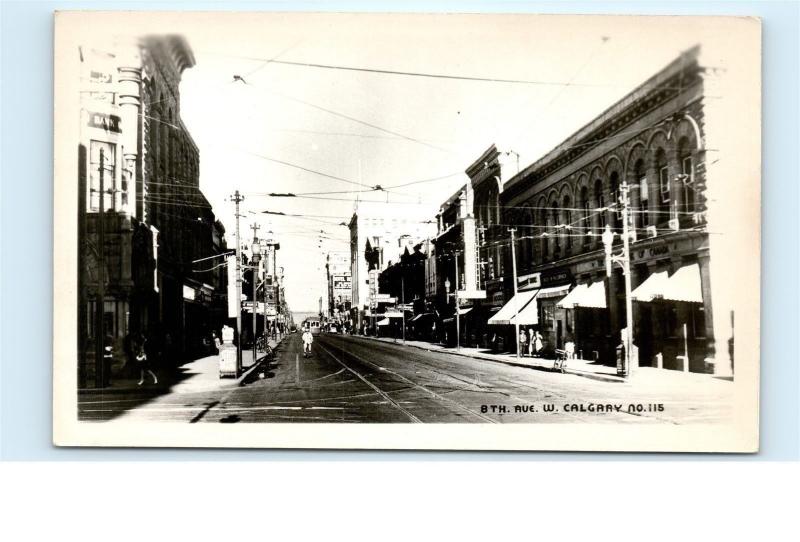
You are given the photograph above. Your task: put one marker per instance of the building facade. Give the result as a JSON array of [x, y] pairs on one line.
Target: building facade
[[140, 167], [653, 146]]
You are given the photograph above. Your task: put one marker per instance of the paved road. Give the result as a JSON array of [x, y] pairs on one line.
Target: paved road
[[355, 379]]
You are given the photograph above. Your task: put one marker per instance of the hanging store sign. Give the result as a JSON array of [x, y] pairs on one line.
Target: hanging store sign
[[189, 293]]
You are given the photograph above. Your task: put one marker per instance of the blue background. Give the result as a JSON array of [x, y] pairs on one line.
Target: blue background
[[26, 238]]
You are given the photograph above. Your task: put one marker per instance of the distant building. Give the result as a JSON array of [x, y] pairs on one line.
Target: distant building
[[339, 286], [379, 236]]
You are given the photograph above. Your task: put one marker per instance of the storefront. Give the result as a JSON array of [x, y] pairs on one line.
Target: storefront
[[670, 329]]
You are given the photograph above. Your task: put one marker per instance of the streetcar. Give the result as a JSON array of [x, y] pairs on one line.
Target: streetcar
[[313, 324]]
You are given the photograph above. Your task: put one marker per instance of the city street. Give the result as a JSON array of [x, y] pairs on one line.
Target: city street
[[358, 379]]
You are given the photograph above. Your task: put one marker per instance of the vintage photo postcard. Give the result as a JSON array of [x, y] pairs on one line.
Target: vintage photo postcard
[[407, 231]]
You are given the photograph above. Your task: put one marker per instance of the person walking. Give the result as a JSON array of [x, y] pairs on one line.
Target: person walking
[[530, 341], [308, 338], [523, 342], [142, 357], [537, 343]]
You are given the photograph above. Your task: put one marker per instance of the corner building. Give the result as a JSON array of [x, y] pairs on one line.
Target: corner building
[[654, 140]]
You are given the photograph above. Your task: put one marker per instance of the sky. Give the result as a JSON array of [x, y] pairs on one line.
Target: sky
[[293, 128]]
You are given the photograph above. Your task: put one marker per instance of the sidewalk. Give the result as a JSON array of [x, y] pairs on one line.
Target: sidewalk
[[198, 375], [578, 367]]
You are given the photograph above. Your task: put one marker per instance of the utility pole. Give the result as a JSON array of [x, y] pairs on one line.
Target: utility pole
[[403, 304], [238, 198], [457, 300], [626, 248], [516, 300], [99, 309], [254, 270]]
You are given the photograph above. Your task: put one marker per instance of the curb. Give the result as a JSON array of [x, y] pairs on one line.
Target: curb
[[600, 378], [240, 381]]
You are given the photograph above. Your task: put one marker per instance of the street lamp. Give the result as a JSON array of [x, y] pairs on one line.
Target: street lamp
[[623, 259]]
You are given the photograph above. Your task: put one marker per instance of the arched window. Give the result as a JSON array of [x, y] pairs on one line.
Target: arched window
[[664, 191], [566, 213], [544, 244], [556, 231], [601, 202], [586, 223], [687, 179], [615, 203], [644, 196]]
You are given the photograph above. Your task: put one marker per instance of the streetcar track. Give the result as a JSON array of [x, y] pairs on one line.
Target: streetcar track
[[374, 387], [421, 387]]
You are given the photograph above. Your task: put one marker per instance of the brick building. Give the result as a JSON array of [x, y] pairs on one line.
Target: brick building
[[653, 140], [156, 220]]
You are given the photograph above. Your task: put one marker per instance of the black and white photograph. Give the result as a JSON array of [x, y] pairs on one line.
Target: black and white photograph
[[407, 231]]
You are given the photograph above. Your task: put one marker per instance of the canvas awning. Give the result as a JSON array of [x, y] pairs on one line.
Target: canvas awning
[[505, 315], [684, 285], [529, 316], [552, 291], [572, 298], [588, 296], [652, 288], [392, 314], [384, 322], [461, 312], [422, 315]]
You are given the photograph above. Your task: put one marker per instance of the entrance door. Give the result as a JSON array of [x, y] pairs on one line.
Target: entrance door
[[644, 337], [559, 333]]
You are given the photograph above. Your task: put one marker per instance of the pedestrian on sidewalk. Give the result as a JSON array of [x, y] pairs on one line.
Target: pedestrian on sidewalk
[[143, 355], [523, 342], [531, 341], [537, 343]]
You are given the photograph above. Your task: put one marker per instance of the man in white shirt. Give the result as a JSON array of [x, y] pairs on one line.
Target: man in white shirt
[[308, 338]]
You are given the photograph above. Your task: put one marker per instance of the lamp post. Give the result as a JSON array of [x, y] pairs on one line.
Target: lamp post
[[623, 259]]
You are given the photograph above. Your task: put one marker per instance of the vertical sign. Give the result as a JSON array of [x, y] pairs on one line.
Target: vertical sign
[[233, 299]]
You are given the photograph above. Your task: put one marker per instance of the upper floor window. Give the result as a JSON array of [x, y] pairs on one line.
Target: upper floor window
[[663, 184], [687, 168], [109, 175]]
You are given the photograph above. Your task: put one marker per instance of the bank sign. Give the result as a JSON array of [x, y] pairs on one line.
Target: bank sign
[[107, 122]]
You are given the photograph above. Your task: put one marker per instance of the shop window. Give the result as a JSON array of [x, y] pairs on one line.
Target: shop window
[[109, 170], [568, 319]]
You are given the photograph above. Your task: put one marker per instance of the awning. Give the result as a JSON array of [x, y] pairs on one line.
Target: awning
[[392, 314], [529, 316], [588, 296], [461, 312], [422, 315], [572, 298], [516, 303], [384, 322], [684, 285], [652, 288], [552, 291]]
